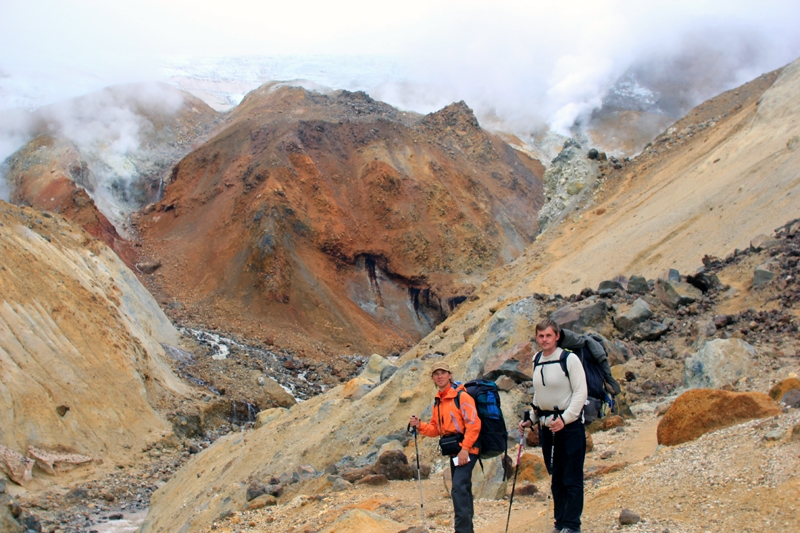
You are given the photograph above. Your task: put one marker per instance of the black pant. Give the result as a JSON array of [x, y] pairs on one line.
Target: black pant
[[461, 493], [566, 472]]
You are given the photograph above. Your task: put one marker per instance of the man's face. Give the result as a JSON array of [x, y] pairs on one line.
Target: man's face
[[441, 378], [547, 339]]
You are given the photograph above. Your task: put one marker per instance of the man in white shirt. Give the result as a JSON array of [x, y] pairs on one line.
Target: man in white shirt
[[558, 402]]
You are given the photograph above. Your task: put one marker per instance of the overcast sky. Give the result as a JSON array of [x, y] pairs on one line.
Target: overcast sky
[[537, 60]]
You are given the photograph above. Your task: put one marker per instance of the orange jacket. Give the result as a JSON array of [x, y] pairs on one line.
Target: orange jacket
[[447, 419]]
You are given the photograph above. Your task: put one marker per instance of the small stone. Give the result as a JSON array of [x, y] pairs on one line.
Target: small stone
[[772, 436], [628, 518]]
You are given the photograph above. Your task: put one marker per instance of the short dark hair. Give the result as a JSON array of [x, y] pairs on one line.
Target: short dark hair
[[548, 323]]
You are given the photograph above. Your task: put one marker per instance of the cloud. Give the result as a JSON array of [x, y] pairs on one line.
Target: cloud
[[525, 63]]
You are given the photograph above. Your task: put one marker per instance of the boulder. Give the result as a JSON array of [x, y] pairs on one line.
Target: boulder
[[516, 363], [352, 475], [638, 285], [341, 485], [718, 363], [407, 395], [586, 314], [489, 483], [532, 467], [373, 479], [392, 445], [618, 352], [609, 287], [782, 387], [271, 394], [387, 372], [762, 275], [357, 388], [505, 383], [669, 275], [638, 313], [359, 521], [698, 411], [525, 489], [763, 242], [394, 465], [704, 281], [675, 294], [258, 489], [791, 398], [374, 367], [260, 502], [649, 330], [509, 326]]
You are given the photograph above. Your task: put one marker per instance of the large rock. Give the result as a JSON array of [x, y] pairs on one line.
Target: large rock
[[698, 411], [638, 313], [578, 317], [638, 285], [718, 363], [782, 387], [507, 327], [704, 281], [763, 274], [516, 363], [489, 483], [609, 287], [271, 394], [374, 368], [358, 387], [649, 330], [532, 467], [675, 294], [394, 465]]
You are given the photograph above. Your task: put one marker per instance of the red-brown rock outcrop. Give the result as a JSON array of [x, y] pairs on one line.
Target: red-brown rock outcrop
[[339, 219], [698, 411]]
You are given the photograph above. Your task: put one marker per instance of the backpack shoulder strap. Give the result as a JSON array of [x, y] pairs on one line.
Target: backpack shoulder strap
[[563, 361], [457, 400]]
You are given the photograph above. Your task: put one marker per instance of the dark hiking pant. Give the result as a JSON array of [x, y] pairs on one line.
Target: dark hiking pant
[[462, 494], [566, 472]]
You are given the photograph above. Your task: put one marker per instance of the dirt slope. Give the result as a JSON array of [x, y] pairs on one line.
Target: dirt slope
[[81, 364], [657, 218], [688, 195], [338, 223]]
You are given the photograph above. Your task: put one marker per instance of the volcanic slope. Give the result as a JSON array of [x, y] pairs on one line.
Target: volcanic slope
[[82, 368], [97, 158], [502, 312], [338, 223]]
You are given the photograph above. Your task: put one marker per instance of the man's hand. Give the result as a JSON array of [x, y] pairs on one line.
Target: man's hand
[[463, 457], [414, 422], [524, 424], [557, 424]]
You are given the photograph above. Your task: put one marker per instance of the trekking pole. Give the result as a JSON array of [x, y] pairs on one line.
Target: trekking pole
[[526, 418], [553, 443], [419, 481]]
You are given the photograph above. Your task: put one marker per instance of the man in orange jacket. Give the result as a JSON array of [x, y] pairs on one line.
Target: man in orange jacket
[[449, 419]]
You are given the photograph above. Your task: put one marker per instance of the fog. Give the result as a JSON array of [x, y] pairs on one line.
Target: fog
[[521, 65]]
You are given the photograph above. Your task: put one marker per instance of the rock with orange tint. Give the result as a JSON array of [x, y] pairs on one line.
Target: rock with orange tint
[[338, 219], [698, 411], [532, 467], [782, 387]]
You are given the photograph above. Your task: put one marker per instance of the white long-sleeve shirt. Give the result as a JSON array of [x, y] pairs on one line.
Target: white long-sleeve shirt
[[553, 389]]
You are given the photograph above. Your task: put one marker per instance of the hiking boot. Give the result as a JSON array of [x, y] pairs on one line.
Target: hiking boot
[[568, 530]]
